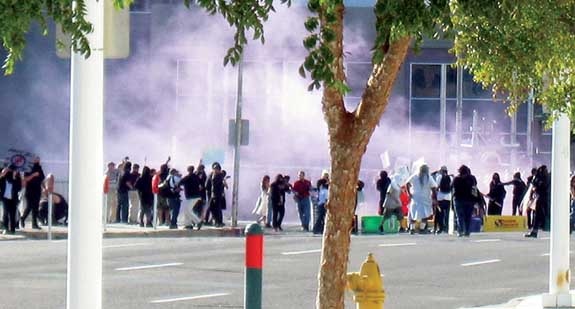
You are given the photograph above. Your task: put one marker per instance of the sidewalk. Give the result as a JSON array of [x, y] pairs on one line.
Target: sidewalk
[[527, 302], [133, 230], [128, 231]]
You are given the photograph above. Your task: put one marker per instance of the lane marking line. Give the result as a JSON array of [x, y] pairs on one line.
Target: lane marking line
[[398, 245], [301, 252], [171, 300], [480, 262], [126, 245], [545, 238], [487, 240], [549, 254], [148, 266]]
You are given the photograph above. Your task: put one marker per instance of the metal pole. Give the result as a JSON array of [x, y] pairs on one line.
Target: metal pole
[[459, 107], [237, 145], [155, 216], [530, 128], [105, 212], [443, 114], [50, 211], [559, 273], [84, 280]]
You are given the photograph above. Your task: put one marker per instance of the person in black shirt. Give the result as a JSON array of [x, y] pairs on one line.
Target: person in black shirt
[[496, 196], [192, 193], [124, 185], [10, 186], [33, 182], [528, 210], [144, 186], [382, 185], [200, 209], [215, 187], [519, 189], [465, 195], [541, 186], [278, 189]]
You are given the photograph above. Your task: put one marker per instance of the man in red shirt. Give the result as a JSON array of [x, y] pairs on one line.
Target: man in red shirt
[[301, 189]]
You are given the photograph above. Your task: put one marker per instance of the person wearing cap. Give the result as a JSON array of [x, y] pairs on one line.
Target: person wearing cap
[[10, 186]]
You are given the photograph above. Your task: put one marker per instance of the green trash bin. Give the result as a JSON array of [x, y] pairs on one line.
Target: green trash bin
[[371, 224], [391, 225]]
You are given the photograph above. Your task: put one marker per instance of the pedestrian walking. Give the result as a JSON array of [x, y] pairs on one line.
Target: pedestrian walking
[[496, 196], [124, 186], [10, 186], [262, 204], [33, 184], [421, 187], [541, 186], [322, 198], [519, 190], [215, 188], [465, 195], [382, 186], [441, 220], [192, 195], [134, 195], [301, 191], [112, 177], [143, 186]]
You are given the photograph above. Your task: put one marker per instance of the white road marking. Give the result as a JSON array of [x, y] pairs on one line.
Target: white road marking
[[126, 245], [486, 240], [301, 252], [398, 245], [548, 254], [171, 300], [480, 262], [545, 238], [148, 266]]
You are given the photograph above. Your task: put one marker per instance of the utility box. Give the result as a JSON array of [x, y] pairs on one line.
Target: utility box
[[116, 34]]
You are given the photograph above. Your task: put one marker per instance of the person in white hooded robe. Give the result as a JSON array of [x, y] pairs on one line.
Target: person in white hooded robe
[[420, 187]]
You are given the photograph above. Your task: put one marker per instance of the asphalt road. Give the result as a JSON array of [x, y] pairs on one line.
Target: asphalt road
[[419, 271]]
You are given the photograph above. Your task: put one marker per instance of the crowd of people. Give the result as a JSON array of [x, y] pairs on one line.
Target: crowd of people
[[420, 198], [130, 195], [34, 188], [197, 198]]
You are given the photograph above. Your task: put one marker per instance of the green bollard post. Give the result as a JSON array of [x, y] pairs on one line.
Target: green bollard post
[[254, 263]]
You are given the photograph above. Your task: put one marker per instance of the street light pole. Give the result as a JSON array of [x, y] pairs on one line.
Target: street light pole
[[237, 144], [84, 280]]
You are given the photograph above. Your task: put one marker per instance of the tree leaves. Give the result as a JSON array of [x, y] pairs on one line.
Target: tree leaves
[[16, 17], [517, 46]]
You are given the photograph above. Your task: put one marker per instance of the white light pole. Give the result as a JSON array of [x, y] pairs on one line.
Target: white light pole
[[237, 145], [84, 284], [559, 273]]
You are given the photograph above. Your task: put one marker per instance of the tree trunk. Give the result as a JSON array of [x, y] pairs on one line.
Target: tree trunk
[[349, 134], [346, 160]]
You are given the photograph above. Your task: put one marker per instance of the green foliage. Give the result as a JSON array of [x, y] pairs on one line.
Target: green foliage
[[244, 16], [518, 45], [16, 17]]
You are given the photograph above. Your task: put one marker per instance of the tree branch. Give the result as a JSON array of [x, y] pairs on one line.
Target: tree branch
[[332, 100], [379, 85]]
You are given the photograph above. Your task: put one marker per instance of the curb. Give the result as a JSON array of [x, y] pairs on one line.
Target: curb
[[59, 235]]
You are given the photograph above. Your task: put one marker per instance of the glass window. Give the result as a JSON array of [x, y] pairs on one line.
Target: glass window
[[473, 90], [425, 81], [425, 114]]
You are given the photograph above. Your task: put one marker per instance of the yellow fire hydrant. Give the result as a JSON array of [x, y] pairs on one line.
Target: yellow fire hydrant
[[367, 285]]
